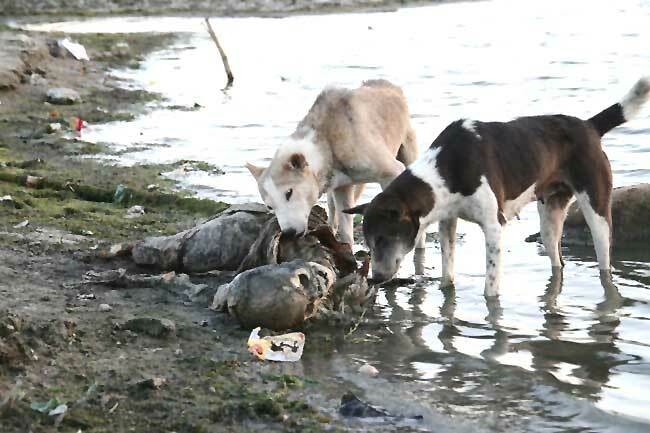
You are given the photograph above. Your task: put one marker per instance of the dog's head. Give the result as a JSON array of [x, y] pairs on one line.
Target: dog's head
[[288, 186], [390, 230]]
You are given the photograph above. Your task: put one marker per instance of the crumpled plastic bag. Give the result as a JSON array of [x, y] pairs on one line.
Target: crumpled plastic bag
[[286, 347]]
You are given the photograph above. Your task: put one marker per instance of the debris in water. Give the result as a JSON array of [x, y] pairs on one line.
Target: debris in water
[[352, 406], [368, 370], [286, 347]]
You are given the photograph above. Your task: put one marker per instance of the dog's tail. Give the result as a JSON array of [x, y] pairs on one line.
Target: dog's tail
[[625, 110]]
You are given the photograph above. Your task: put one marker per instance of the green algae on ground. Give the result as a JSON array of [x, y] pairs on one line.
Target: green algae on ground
[[83, 209]]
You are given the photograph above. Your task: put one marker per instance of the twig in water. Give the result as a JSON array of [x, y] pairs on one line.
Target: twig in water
[[356, 325], [224, 58]]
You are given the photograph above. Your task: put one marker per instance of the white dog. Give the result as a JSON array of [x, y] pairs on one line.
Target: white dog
[[348, 138]]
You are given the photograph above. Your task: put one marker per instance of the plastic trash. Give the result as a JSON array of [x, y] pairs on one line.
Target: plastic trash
[[78, 51], [286, 347]]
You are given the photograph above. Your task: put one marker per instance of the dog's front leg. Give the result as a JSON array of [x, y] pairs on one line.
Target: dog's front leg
[[492, 234], [447, 233], [344, 199], [332, 219]]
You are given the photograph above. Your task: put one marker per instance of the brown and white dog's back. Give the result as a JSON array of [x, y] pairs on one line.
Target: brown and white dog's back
[[485, 172], [348, 138]]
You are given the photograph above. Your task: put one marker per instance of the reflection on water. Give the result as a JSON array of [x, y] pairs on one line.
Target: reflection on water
[[487, 367], [557, 352]]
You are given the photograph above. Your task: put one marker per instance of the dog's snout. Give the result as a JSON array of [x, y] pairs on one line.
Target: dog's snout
[[378, 277]]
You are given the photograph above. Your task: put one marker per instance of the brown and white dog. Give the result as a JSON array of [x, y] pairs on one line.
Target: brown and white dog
[[348, 137], [485, 172]]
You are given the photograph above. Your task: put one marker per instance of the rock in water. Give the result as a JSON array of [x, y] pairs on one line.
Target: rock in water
[[63, 96], [352, 406], [630, 216], [276, 297]]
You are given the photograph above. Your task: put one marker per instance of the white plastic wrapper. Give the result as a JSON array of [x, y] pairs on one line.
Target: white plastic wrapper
[[286, 347]]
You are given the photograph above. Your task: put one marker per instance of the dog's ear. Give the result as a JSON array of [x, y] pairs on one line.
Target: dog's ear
[[297, 161], [357, 209], [255, 170]]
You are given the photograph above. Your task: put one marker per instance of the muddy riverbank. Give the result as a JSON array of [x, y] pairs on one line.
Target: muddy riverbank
[[67, 344]]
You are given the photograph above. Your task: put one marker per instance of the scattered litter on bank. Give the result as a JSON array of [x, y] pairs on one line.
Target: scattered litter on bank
[[284, 348]]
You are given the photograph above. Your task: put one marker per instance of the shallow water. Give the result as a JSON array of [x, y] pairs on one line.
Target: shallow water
[[549, 356]]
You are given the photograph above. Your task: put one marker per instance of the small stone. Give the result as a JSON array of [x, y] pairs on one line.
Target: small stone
[[105, 308], [368, 370], [63, 96], [135, 212], [121, 49], [33, 181], [8, 201], [150, 383], [118, 250], [151, 326], [37, 80]]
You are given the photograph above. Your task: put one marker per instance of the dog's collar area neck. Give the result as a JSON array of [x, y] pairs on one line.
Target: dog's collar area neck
[[325, 174]]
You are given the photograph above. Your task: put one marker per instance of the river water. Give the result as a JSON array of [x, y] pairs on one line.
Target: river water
[[551, 355]]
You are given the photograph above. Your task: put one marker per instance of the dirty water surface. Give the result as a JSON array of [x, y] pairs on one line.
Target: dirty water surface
[[554, 353]]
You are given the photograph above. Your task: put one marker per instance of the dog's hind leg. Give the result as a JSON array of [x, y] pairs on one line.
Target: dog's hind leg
[[599, 226], [593, 193], [344, 199], [447, 232], [552, 213]]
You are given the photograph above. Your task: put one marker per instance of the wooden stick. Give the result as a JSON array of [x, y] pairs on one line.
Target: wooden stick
[[224, 58]]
